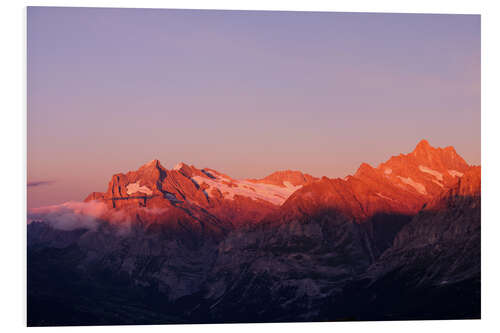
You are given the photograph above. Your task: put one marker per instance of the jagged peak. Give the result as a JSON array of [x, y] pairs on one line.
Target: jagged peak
[[423, 145], [363, 168], [450, 149], [186, 169], [155, 163], [179, 166], [425, 152]]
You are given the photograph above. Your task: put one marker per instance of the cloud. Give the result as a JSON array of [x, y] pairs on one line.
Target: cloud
[[88, 215], [40, 183], [70, 215]]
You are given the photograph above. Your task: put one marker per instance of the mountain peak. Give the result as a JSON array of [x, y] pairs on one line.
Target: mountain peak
[[426, 154], [179, 166], [423, 145], [364, 169], [283, 177], [187, 170], [450, 149], [152, 164]]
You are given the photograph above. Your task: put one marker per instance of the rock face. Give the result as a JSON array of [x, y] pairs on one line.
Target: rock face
[[187, 190], [401, 185], [382, 199], [435, 261], [399, 241]]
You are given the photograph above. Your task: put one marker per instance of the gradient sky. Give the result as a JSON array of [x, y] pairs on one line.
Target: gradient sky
[[243, 92]]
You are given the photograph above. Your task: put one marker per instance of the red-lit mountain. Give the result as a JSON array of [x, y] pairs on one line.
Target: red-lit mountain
[[401, 185], [154, 194]]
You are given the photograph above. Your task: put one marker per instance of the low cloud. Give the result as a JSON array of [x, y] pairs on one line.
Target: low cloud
[[40, 183], [88, 215], [70, 215]]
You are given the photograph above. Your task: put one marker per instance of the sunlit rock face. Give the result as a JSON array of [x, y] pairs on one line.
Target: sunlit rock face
[[199, 193], [433, 268]]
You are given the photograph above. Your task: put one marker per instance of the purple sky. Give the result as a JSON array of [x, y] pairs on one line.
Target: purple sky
[[246, 93]]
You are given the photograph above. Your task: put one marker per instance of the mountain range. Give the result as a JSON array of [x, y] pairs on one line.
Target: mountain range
[[189, 245]]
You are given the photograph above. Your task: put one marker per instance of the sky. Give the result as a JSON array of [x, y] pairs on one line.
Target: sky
[[244, 92]]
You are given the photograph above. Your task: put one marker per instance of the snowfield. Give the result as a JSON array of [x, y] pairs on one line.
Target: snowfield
[[455, 173], [134, 188], [434, 173], [420, 188], [230, 188]]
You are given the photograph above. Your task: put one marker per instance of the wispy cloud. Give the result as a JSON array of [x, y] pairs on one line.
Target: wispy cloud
[[70, 215], [40, 183], [73, 214]]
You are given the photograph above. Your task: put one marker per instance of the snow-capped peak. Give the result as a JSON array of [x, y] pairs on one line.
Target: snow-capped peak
[[178, 166]]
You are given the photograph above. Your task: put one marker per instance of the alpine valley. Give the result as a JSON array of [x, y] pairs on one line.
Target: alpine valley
[[187, 245]]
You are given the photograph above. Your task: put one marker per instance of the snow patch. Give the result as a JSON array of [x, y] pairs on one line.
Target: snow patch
[[420, 188], [435, 181], [455, 173], [434, 173], [256, 191], [134, 188], [383, 196], [388, 171], [178, 166]]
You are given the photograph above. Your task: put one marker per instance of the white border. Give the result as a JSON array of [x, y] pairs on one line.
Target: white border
[[13, 161]]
